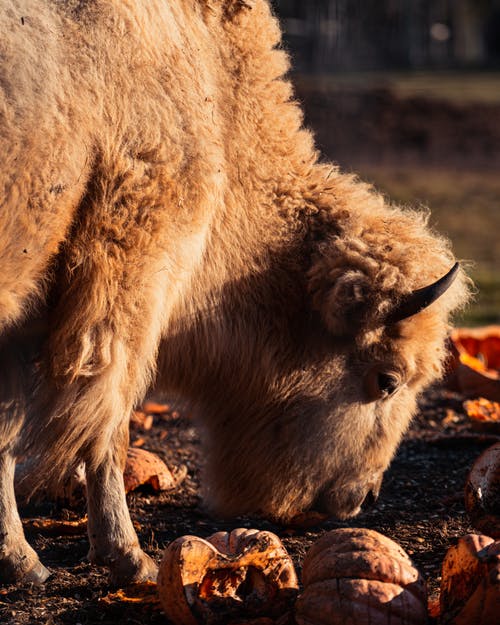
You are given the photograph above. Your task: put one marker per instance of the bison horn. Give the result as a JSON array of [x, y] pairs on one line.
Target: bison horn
[[421, 298]]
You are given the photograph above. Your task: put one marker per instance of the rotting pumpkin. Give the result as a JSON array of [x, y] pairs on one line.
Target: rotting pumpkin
[[360, 577], [484, 415], [244, 573], [470, 586], [482, 492], [143, 467], [475, 362]]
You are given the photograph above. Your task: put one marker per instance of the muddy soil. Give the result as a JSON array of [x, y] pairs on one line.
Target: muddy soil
[[421, 506]]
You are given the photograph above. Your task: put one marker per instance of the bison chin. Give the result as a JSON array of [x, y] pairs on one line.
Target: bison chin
[[347, 500], [336, 501], [281, 482], [305, 455]]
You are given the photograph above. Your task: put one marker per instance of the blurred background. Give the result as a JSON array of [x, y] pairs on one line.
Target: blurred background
[[407, 94]]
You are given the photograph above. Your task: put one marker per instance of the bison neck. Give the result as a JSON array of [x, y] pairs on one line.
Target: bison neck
[[224, 336]]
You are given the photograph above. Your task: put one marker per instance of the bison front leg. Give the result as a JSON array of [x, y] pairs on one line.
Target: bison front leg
[[113, 541], [18, 561], [103, 355], [100, 429], [119, 279]]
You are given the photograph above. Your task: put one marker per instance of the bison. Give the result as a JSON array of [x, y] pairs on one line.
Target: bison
[[166, 221]]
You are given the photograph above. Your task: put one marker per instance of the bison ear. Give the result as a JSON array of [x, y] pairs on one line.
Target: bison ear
[[341, 296]]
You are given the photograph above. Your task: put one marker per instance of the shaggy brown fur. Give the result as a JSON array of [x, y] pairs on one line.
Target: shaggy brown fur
[[158, 186]]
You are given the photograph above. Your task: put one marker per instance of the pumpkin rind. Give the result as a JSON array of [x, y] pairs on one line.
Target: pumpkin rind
[[482, 492], [470, 586], [229, 575], [477, 361], [360, 577], [143, 467]]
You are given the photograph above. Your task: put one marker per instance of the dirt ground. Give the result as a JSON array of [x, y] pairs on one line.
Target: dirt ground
[[420, 506]]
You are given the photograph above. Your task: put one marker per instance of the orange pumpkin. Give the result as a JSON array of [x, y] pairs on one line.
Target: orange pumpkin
[[480, 343], [476, 366], [245, 573], [360, 577], [484, 415], [470, 586], [482, 492], [143, 467]]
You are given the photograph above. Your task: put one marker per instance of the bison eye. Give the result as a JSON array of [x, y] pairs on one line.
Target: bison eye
[[387, 383], [381, 384]]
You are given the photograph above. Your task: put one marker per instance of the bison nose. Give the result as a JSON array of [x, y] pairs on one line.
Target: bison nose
[[372, 494], [345, 504], [370, 500]]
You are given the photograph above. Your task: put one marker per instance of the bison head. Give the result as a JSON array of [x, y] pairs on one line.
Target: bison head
[[310, 374]]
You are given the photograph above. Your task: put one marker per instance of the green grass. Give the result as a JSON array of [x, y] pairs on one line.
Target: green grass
[[466, 207], [457, 87]]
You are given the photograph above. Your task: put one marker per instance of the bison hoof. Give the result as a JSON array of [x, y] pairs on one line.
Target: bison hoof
[[128, 567], [37, 575], [133, 568], [16, 574]]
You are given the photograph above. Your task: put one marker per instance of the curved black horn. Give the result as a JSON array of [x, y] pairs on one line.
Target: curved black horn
[[421, 298]]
